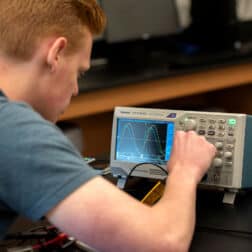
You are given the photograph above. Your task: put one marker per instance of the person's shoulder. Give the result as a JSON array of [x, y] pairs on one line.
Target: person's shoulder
[[22, 121], [15, 111]]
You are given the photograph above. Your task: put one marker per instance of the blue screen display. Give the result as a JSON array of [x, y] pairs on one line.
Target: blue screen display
[[141, 141]]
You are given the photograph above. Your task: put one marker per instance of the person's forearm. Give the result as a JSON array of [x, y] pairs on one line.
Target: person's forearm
[[121, 223], [178, 204]]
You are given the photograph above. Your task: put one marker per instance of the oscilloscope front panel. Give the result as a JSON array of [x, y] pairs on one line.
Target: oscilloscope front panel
[[142, 135]]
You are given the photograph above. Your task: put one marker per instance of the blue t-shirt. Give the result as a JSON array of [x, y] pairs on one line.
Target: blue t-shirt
[[39, 166]]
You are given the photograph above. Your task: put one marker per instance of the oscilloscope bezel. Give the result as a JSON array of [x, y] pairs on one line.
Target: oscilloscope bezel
[[123, 168]]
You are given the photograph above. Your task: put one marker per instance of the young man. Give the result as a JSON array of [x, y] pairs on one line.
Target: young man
[[44, 45]]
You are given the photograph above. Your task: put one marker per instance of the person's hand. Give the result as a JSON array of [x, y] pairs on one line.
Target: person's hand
[[191, 156]]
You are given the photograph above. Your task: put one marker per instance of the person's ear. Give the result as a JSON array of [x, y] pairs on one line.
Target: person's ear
[[55, 52]]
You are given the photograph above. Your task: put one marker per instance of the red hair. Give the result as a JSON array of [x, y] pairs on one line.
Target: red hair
[[24, 22]]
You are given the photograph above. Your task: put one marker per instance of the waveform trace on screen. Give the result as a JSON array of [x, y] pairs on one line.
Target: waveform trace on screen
[[143, 140]]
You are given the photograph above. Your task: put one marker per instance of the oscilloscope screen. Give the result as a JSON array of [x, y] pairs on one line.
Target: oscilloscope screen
[[140, 141]]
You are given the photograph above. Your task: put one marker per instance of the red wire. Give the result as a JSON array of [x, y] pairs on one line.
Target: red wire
[[56, 240]]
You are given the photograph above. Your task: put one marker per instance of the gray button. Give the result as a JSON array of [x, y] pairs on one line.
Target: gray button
[[230, 146], [221, 127], [212, 121], [228, 155], [212, 126], [211, 132], [217, 162], [201, 132], [202, 120], [219, 154], [222, 121], [219, 145]]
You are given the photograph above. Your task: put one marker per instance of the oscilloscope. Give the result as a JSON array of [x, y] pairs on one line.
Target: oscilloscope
[[142, 135]]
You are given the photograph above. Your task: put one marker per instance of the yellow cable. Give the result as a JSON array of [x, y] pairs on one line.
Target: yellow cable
[[154, 194]]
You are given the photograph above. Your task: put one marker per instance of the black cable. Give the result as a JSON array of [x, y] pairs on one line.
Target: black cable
[[28, 235], [242, 233], [41, 227], [146, 163], [39, 232]]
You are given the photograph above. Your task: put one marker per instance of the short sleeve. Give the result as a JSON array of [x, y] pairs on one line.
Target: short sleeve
[[39, 166]]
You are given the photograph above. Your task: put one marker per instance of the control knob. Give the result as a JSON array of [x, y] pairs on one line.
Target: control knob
[[190, 124]]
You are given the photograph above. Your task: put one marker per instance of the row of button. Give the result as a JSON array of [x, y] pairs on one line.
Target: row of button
[[218, 162], [191, 124], [213, 127], [220, 146], [213, 133], [212, 121]]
